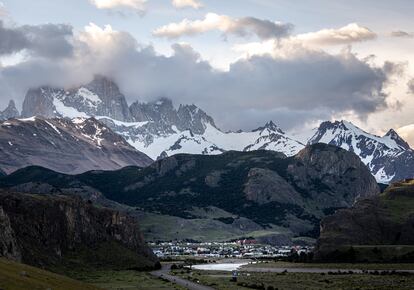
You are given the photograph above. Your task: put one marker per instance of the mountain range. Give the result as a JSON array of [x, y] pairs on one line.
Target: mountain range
[[261, 194], [158, 129]]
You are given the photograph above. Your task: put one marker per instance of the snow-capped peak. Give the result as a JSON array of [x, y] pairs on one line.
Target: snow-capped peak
[[376, 152], [393, 135], [271, 127], [160, 129]]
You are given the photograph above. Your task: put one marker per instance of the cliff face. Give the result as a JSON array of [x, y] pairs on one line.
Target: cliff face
[[46, 231], [326, 172], [385, 221], [8, 242], [39, 102]]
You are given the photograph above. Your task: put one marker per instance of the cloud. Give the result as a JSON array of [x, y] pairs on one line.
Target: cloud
[[407, 133], [241, 27], [3, 11], [348, 34], [138, 5], [12, 40], [295, 85], [402, 34], [410, 85], [187, 3], [48, 40], [43, 40]]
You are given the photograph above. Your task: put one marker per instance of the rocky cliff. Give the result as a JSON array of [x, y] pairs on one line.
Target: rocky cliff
[[40, 102], [54, 231], [323, 171], [377, 229], [101, 97]]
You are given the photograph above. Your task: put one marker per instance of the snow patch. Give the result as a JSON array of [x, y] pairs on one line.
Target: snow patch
[[53, 127], [88, 96], [31, 119], [67, 112]]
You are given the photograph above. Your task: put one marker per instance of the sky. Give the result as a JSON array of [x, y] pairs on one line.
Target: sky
[[244, 62]]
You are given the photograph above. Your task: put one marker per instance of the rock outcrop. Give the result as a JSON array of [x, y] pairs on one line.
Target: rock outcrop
[[111, 102], [264, 186], [8, 242], [40, 102], [376, 229], [46, 231], [325, 172]]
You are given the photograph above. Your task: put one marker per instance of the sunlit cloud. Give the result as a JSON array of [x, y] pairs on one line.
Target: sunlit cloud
[[138, 5], [345, 35], [242, 27], [187, 3]]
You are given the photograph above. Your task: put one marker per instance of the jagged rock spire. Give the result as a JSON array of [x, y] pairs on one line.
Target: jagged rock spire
[[10, 112]]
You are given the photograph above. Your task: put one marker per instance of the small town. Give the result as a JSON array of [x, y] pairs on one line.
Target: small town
[[246, 249]]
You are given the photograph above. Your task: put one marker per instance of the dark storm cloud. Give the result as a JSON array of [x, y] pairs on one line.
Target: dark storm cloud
[[11, 40], [314, 83], [47, 40], [299, 87]]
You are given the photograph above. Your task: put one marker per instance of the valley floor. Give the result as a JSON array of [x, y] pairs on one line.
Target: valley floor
[[332, 266], [131, 280], [16, 276], [300, 281], [264, 275]]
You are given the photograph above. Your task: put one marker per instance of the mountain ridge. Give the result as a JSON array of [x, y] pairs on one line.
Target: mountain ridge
[[69, 146], [263, 192], [389, 157], [159, 129]]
